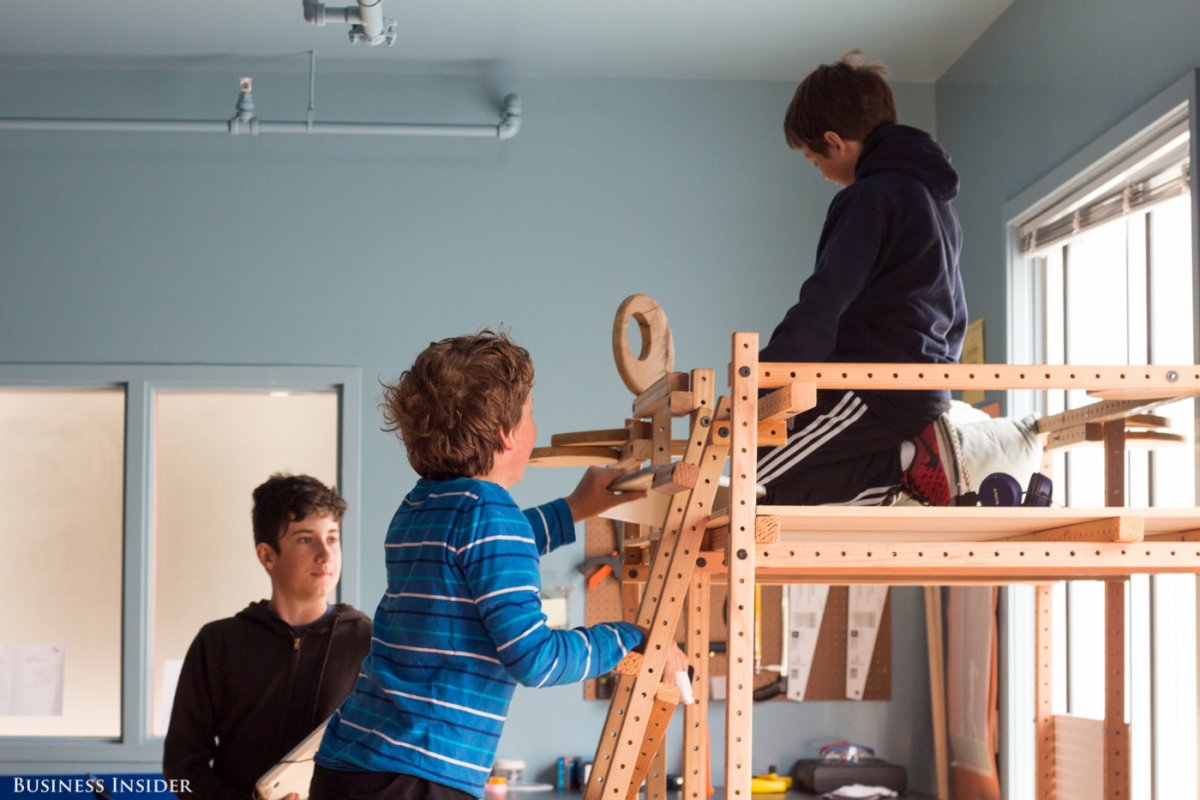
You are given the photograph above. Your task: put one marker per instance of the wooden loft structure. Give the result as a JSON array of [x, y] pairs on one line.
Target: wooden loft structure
[[701, 540]]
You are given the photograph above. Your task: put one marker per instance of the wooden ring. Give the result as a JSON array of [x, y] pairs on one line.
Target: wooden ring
[[658, 348]]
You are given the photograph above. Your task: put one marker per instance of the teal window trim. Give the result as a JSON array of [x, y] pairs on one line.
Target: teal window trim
[[136, 750]]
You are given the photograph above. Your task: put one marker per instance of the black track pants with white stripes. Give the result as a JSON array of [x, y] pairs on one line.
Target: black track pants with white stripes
[[836, 453]]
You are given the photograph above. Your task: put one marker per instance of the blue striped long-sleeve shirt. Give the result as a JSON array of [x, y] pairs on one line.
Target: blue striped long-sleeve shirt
[[459, 626]]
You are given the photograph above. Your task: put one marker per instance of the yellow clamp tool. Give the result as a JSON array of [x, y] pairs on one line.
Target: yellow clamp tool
[[771, 783]]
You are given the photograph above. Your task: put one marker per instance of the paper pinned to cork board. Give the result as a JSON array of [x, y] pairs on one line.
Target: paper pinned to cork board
[[807, 608], [865, 616]]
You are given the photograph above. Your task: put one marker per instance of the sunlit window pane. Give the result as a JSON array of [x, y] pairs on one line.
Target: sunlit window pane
[[62, 490], [212, 449], [1122, 293]]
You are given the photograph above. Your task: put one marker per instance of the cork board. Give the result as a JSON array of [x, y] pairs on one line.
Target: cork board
[[828, 678], [608, 602]]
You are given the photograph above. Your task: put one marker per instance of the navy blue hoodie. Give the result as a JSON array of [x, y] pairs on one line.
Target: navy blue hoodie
[[886, 287]]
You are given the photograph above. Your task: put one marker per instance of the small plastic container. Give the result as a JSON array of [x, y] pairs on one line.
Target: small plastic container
[[496, 788], [511, 769]]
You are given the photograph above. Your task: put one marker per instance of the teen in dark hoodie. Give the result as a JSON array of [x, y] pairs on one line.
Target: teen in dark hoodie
[[254, 685], [886, 288]]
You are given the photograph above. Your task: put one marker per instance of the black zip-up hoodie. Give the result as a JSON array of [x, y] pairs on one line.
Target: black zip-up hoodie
[[251, 689], [886, 287]]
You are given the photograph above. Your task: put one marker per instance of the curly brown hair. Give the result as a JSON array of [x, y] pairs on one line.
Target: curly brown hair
[[284, 498], [451, 407], [850, 98]]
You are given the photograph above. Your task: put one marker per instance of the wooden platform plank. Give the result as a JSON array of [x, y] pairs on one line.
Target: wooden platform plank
[[1125, 528], [965, 524]]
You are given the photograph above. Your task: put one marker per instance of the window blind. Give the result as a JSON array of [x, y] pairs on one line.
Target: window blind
[[1150, 171]]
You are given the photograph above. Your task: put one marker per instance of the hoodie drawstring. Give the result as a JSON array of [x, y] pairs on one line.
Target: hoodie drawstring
[[312, 714]]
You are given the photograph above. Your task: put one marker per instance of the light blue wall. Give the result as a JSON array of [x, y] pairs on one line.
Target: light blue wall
[[1046, 79], [359, 251]]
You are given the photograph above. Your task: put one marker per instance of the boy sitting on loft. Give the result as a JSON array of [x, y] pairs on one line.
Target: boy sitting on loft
[[886, 288]]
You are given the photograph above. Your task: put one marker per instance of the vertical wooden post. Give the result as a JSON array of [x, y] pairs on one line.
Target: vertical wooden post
[[1114, 462], [740, 555], [695, 716], [665, 700], [1044, 694], [662, 604], [653, 768], [1116, 732], [937, 688], [696, 641]]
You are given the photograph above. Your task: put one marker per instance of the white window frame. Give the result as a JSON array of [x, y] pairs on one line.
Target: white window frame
[[1025, 331], [136, 750]]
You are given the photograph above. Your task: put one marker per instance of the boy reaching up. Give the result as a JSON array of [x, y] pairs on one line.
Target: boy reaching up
[[461, 622]]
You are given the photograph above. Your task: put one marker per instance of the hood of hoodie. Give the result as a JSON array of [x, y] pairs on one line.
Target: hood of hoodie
[[899, 148], [260, 613]]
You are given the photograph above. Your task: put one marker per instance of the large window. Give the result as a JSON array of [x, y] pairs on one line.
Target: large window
[[212, 449], [1103, 273], [61, 487], [128, 491]]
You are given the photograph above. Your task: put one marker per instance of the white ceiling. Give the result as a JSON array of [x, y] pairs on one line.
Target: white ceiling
[[705, 39]]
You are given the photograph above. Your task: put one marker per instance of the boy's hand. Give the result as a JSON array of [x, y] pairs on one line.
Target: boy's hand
[[676, 662], [592, 497]]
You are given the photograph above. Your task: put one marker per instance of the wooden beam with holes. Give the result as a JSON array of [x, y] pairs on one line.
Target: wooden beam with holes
[[662, 602], [740, 558], [1044, 744], [1134, 439], [696, 752], [653, 770], [1116, 731], [1143, 383], [937, 688], [666, 698], [941, 562], [1101, 411], [695, 716]]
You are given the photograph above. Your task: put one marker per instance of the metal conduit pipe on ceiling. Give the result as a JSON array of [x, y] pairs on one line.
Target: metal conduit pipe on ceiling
[[246, 123]]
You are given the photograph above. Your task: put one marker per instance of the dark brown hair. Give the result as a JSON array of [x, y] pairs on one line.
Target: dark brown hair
[[289, 498], [452, 405], [850, 98]]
